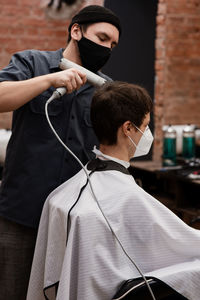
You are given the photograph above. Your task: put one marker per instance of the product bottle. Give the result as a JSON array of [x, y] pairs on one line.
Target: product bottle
[[169, 147], [188, 142]]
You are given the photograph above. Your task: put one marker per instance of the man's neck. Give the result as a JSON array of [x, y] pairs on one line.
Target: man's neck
[[114, 151], [71, 52]]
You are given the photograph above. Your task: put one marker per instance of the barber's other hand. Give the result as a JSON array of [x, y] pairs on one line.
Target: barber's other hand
[[72, 79]]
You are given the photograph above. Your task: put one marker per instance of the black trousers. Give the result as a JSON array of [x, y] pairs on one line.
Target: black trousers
[[17, 243]]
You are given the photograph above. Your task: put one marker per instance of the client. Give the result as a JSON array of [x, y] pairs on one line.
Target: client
[[78, 255]]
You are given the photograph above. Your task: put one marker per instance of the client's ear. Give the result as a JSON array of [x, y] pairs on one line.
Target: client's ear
[[126, 127]]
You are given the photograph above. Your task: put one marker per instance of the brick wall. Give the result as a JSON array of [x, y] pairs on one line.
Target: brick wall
[[177, 86], [25, 25]]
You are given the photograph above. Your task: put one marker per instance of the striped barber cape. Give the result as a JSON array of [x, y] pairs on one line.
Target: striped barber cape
[[77, 257]]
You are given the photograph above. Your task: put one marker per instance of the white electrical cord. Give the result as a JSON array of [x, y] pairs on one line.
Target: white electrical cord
[[55, 95]]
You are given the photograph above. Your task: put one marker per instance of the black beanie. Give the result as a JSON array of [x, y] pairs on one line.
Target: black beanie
[[94, 14]]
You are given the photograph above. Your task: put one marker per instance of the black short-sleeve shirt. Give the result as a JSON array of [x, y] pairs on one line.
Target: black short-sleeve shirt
[[36, 163]]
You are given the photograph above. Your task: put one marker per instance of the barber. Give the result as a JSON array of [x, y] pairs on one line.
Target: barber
[[35, 161]]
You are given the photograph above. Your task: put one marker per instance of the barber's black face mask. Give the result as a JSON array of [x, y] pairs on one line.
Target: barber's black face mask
[[93, 56]]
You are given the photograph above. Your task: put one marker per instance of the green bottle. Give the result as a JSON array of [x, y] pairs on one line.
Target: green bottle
[[169, 147], [188, 142]]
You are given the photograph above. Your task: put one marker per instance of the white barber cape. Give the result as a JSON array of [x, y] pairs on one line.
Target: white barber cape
[[76, 248]]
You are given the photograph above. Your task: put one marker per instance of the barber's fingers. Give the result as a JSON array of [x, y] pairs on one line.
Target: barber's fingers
[[73, 84], [72, 79], [77, 81], [69, 87], [80, 78], [80, 74]]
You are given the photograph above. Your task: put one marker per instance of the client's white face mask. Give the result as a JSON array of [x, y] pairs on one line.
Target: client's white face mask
[[144, 144]]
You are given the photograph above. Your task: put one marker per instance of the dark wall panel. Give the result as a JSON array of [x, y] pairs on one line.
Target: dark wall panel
[[133, 60]]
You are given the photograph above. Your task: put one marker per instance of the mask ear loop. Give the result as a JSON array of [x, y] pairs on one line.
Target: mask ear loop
[[131, 138], [132, 141], [143, 132]]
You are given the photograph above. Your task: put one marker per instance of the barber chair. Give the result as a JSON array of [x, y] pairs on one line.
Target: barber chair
[[136, 289]]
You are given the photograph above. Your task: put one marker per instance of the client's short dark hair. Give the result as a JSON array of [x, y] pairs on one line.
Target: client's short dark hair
[[115, 103]]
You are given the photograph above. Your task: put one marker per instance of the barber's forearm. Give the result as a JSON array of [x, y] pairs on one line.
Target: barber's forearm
[[14, 94]]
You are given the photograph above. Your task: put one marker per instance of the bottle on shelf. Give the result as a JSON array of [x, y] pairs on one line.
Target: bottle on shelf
[[169, 146], [188, 151]]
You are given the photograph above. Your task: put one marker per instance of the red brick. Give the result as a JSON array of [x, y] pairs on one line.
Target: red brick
[[184, 49], [8, 21], [11, 49], [175, 8], [31, 31], [162, 8], [14, 11], [37, 12], [159, 65], [4, 30], [7, 41], [160, 43], [58, 24], [11, 2], [17, 31], [160, 76], [159, 92], [160, 20], [24, 3], [54, 46], [31, 42], [32, 22], [160, 31], [61, 33], [45, 32], [158, 111], [160, 54], [184, 30], [4, 60], [193, 20]]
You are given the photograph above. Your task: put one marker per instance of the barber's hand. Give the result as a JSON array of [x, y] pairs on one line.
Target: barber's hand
[[72, 79]]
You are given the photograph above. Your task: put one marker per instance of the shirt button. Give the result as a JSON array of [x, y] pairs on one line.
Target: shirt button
[[69, 138], [72, 117]]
